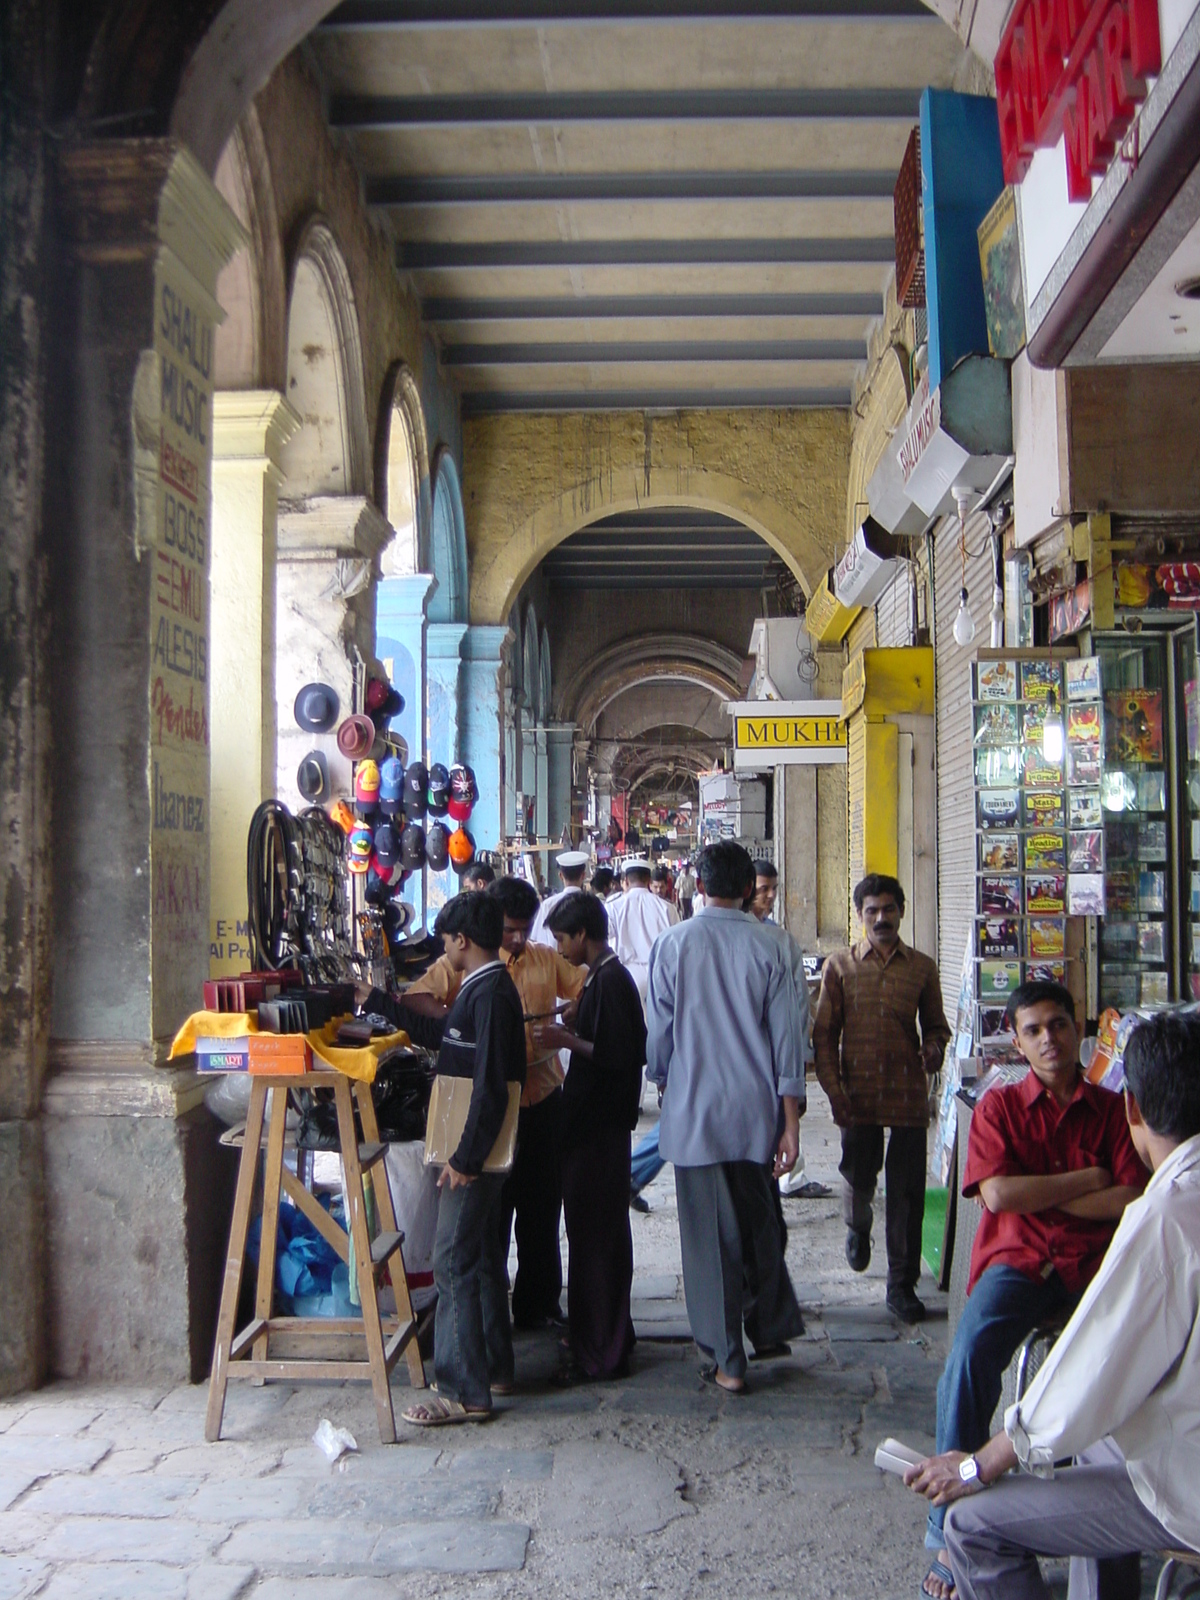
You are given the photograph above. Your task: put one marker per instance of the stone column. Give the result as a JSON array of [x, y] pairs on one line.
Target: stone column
[[560, 743], [250, 428], [137, 1190], [325, 583], [798, 848], [541, 810], [526, 732], [443, 652], [482, 722]]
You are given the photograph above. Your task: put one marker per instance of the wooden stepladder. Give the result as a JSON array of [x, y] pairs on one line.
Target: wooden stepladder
[[298, 1348]]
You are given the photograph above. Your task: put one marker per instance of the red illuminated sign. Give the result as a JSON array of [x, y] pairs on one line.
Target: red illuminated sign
[[1067, 68]]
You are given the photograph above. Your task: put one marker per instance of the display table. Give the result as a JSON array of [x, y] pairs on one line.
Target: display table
[[300, 1348]]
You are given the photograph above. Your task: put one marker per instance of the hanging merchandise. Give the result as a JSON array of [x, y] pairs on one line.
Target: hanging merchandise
[[387, 845], [359, 849], [391, 787], [437, 847], [383, 702], [366, 788], [412, 847], [298, 910], [463, 792], [416, 790], [316, 708], [342, 816], [964, 622], [462, 849], [356, 736], [312, 777], [438, 793]]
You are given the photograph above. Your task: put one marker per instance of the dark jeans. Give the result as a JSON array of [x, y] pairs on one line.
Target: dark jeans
[[472, 1339], [1000, 1310], [533, 1191], [862, 1157]]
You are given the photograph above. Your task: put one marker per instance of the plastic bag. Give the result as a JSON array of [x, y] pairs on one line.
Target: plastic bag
[[333, 1442]]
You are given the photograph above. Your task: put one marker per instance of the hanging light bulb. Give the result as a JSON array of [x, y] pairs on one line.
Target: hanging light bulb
[[1052, 732], [964, 622]]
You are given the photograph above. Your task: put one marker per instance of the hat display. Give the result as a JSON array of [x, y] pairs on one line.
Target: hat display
[[312, 777], [460, 810], [437, 847], [416, 789], [341, 814], [316, 708], [361, 846], [439, 790], [387, 845], [462, 849], [355, 737], [366, 788], [397, 918], [572, 859], [391, 787], [412, 847]]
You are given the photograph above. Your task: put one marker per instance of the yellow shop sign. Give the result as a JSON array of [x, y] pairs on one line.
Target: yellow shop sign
[[783, 733]]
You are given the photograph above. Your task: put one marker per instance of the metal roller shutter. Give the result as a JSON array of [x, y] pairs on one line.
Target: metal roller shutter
[[955, 732], [893, 612]]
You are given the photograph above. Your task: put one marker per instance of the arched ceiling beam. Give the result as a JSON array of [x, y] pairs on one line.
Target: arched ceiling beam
[[657, 657]]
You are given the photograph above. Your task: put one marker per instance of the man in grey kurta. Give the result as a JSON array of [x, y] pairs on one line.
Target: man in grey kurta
[[724, 1044]]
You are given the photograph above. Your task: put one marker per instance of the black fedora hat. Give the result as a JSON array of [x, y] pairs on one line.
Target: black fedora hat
[[316, 708], [312, 777]]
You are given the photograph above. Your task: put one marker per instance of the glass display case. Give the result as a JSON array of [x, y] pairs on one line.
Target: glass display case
[[1149, 936]]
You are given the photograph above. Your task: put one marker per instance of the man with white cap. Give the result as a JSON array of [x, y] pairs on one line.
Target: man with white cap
[[636, 920], [572, 866]]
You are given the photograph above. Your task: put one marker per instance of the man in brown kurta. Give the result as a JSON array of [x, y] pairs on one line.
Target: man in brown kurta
[[875, 1067]]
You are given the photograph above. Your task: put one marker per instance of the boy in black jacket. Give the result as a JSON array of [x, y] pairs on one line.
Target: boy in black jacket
[[484, 1040]]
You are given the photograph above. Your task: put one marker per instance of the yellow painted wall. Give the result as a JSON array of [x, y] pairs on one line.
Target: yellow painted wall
[[532, 480]]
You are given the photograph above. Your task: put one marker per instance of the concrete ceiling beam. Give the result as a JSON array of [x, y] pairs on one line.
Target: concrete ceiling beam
[[510, 355], [640, 252], [447, 308], [366, 15], [478, 405], [396, 191], [352, 113]]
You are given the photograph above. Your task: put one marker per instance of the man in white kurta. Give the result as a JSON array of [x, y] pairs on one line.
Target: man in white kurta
[[635, 921]]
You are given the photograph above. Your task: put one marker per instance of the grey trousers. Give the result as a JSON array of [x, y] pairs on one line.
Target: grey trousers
[[733, 1262], [1089, 1512]]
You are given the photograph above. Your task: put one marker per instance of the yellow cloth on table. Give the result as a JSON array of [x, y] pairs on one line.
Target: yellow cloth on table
[[360, 1063]]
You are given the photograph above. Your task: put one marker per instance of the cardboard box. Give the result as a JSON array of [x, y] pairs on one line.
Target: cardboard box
[[280, 1053], [223, 1055]]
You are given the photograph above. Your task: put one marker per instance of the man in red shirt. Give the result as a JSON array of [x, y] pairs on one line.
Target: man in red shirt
[[1051, 1163]]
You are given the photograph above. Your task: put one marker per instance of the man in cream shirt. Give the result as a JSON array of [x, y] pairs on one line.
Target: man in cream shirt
[[1119, 1392]]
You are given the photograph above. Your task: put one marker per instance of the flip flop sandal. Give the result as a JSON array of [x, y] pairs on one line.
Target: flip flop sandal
[[709, 1375], [940, 1571], [502, 1389], [441, 1413]]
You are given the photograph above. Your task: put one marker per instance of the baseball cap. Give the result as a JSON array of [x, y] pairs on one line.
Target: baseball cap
[[439, 790], [416, 789], [361, 845], [462, 849], [366, 788], [437, 847], [412, 847], [460, 809], [387, 846], [391, 786]]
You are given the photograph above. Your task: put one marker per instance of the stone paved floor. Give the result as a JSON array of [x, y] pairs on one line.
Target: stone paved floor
[[654, 1486]]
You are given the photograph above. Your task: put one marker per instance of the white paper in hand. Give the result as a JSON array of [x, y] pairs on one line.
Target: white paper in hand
[[892, 1456]]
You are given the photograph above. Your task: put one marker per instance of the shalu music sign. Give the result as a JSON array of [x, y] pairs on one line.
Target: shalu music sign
[[1069, 70]]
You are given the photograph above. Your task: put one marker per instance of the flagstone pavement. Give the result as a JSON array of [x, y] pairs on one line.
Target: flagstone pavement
[[656, 1485]]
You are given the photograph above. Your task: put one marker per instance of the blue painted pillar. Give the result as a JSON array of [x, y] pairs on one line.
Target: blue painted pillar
[[541, 810], [480, 729], [443, 656], [560, 741], [400, 641]]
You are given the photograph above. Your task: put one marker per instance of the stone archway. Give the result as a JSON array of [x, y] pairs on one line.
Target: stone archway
[[664, 657], [781, 474], [402, 489]]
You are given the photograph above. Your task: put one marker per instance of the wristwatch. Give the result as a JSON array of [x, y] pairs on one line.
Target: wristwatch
[[968, 1471]]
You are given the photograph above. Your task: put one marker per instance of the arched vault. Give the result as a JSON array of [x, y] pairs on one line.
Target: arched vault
[[654, 657]]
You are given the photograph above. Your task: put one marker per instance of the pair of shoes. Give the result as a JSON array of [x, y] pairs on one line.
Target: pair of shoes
[[858, 1248], [636, 1203], [903, 1303]]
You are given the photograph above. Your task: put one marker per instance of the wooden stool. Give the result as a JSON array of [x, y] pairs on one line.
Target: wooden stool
[[299, 1348]]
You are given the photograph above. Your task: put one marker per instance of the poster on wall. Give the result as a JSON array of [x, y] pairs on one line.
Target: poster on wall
[[1134, 723]]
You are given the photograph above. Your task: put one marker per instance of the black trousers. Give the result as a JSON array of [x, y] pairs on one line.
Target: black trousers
[[533, 1193], [862, 1157]]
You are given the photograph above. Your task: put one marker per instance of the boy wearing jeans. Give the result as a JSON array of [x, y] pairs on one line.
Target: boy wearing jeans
[[484, 1040]]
